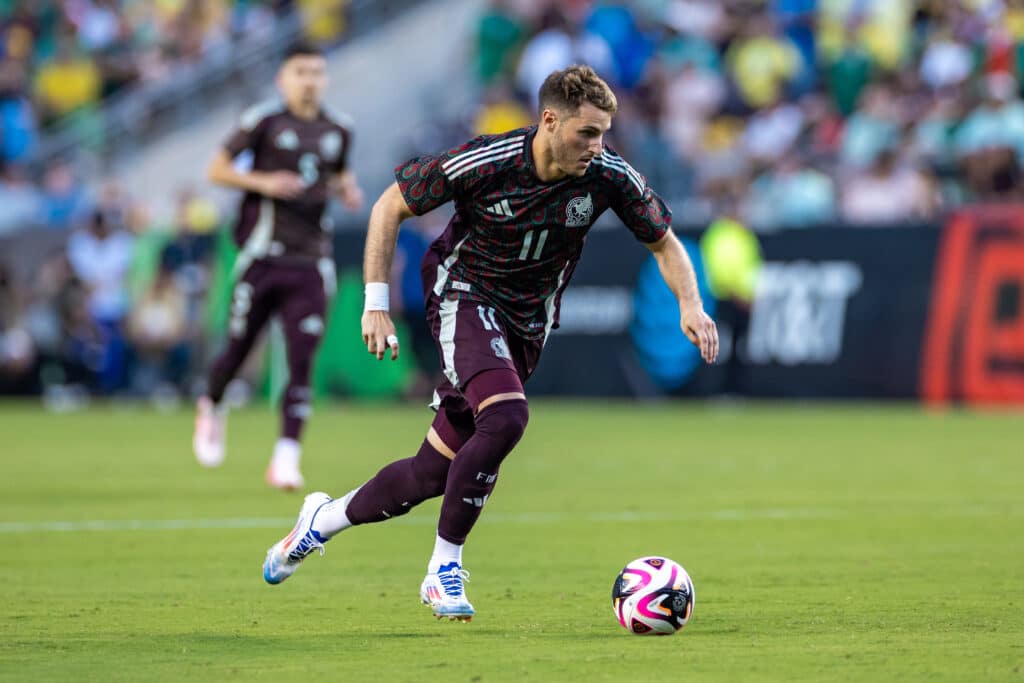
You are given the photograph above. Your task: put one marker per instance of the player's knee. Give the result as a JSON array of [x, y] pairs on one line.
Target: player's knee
[[504, 421]]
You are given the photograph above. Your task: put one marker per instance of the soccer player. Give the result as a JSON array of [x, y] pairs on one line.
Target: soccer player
[[284, 268], [524, 201]]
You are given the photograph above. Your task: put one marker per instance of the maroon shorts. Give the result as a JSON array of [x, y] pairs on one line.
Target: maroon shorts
[[472, 337], [298, 294]]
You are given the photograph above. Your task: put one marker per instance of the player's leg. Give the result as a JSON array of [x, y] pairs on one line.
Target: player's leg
[[251, 307], [500, 417], [303, 312], [475, 356], [393, 491]]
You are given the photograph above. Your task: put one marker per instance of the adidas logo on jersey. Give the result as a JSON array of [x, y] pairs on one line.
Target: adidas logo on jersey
[[501, 209]]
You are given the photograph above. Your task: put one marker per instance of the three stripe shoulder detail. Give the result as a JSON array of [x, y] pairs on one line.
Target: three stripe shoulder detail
[[613, 161], [465, 162]]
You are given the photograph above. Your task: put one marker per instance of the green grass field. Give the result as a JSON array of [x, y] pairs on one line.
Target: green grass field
[[826, 543]]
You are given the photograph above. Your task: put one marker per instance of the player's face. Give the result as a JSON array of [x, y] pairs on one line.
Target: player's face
[[578, 137], [303, 79]]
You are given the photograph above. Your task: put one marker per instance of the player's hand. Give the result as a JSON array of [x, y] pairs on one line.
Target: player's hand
[[379, 334], [702, 331], [351, 194], [282, 185]]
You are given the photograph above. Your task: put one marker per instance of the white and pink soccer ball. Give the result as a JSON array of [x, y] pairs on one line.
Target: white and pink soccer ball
[[653, 596]]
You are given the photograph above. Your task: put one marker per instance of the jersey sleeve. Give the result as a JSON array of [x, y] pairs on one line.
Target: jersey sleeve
[[249, 132], [638, 206], [341, 164], [429, 181]]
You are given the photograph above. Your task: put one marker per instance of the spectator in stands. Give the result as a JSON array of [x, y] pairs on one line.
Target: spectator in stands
[[159, 332], [499, 36], [990, 142], [20, 202], [762, 64], [100, 256], [67, 83], [560, 43], [17, 119], [499, 112], [887, 193], [17, 352], [65, 201], [790, 194]]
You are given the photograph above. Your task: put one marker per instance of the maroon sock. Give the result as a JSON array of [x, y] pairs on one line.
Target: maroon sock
[[474, 472], [400, 486]]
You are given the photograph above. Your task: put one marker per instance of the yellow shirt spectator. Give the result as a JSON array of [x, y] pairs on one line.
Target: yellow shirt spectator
[[68, 83], [500, 117], [323, 20], [761, 66]]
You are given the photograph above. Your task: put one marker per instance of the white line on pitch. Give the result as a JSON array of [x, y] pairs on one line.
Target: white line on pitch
[[521, 518]]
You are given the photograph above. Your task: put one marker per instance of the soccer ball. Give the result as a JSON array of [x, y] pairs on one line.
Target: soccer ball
[[653, 596]]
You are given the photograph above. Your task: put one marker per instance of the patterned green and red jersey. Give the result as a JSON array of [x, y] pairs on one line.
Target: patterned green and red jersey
[[514, 240]]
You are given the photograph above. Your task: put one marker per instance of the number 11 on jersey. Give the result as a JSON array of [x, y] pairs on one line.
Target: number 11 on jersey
[[525, 253]]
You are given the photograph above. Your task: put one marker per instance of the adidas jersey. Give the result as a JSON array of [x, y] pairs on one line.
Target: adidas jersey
[[294, 230], [514, 240]]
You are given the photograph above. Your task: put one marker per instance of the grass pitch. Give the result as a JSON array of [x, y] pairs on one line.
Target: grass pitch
[[826, 543]]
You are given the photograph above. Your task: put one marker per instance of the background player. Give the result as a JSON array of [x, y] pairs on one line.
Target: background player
[[284, 268], [524, 202]]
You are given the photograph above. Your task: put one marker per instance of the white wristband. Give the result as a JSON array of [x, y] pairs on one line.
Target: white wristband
[[378, 297]]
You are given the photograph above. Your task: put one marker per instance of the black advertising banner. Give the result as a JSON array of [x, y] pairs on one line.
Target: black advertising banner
[[911, 311], [837, 313], [840, 313]]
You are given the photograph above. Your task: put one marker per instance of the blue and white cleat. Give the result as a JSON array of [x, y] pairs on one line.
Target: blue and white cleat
[[445, 592], [285, 556]]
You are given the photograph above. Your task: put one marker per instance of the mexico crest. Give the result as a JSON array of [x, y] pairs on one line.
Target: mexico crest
[[578, 212]]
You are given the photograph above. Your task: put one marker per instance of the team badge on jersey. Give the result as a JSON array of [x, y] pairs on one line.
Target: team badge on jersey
[[500, 348], [287, 139], [330, 145], [578, 212]]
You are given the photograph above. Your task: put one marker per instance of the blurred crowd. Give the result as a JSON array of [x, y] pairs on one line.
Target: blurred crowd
[[120, 307], [59, 59], [784, 112], [99, 299]]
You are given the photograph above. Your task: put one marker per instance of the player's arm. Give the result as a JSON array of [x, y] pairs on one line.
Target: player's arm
[[677, 271], [346, 187], [276, 184], [385, 218]]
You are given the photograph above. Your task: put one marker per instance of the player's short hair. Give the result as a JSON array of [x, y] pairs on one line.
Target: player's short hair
[[301, 49], [567, 89]]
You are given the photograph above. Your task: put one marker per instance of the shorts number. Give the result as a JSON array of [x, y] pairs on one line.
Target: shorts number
[[486, 312], [525, 252]]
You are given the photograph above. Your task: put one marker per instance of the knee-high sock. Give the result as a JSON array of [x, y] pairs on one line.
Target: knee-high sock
[[400, 486], [474, 472], [297, 402]]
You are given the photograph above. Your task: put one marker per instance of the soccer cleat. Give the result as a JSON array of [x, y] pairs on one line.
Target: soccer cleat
[[283, 471], [285, 556], [211, 427], [445, 592]]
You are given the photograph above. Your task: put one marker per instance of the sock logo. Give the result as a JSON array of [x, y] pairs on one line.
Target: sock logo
[[486, 478], [477, 502]]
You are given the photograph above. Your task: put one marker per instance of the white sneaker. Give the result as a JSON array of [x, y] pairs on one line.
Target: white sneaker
[[210, 434], [285, 556], [444, 590], [283, 471]]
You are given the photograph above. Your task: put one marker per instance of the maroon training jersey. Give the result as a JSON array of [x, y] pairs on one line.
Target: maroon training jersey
[[515, 240], [292, 230]]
